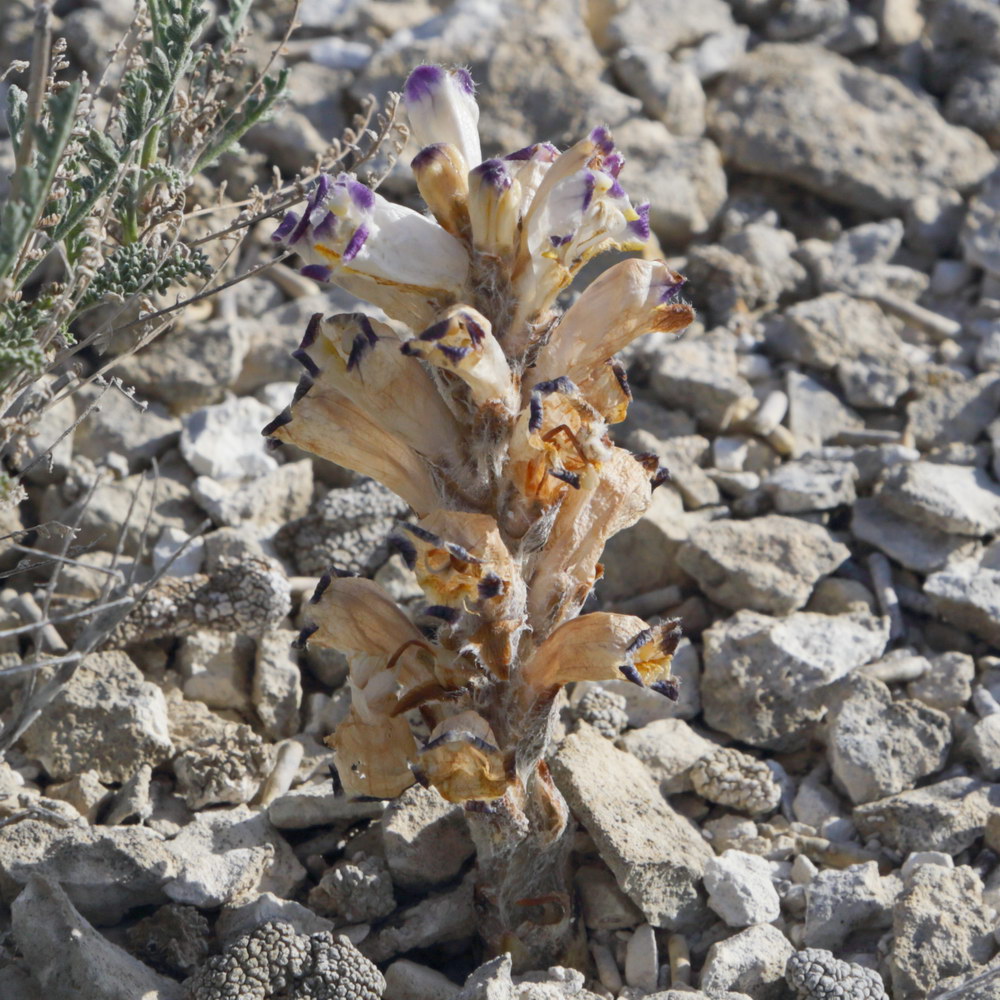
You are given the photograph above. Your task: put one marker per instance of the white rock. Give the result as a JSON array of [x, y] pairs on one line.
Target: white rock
[[340, 53], [752, 961], [223, 854], [216, 667], [668, 747], [188, 563], [958, 499], [71, 959], [641, 959], [426, 839], [236, 920], [605, 788], [740, 889], [840, 902], [803, 870], [406, 980], [224, 441], [277, 684], [917, 858]]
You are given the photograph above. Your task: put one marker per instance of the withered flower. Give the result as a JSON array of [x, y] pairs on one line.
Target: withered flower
[[487, 410]]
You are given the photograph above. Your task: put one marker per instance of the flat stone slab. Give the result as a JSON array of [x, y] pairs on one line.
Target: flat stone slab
[[657, 855]]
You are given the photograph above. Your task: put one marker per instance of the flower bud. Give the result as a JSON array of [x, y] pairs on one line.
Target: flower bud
[[443, 181], [494, 207]]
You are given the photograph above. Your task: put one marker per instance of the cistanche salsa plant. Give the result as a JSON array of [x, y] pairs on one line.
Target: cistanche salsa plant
[[486, 408]]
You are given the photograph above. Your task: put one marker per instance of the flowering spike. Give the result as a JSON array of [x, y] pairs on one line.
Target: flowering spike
[[486, 408]]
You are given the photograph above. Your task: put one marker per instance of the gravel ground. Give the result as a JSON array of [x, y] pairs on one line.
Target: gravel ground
[[821, 808]]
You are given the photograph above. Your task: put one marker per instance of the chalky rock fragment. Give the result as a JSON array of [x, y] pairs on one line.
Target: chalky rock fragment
[[225, 853], [915, 546], [740, 889], [317, 804], [878, 746], [609, 790], [406, 980], [956, 409], [426, 839], [106, 718], [942, 927], [223, 441], [764, 677], [669, 748], [947, 816], [238, 919], [71, 959], [752, 961], [105, 871], [956, 499], [841, 901], [277, 683], [967, 596], [438, 918], [768, 564], [857, 132]]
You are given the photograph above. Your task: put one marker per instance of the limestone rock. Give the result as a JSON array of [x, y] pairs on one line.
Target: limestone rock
[[857, 132], [752, 961], [947, 816], [426, 839], [764, 677], [842, 901], [942, 927], [106, 718], [740, 890], [71, 959], [224, 854], [768, 564], [956, 499], [878, 746], [105, 871], [622, 809]]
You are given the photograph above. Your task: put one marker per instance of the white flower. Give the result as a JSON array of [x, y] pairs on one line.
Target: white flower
[[441, 105], [632, 298], [463, 343], [384, 252], [603, 646]]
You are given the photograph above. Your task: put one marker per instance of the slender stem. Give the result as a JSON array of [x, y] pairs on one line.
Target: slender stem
[[36, 89]]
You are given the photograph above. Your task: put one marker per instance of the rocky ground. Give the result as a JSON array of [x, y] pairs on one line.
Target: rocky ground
[[825, 174]]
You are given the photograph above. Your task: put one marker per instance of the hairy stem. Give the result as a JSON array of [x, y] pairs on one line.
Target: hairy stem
[[523, 891]]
